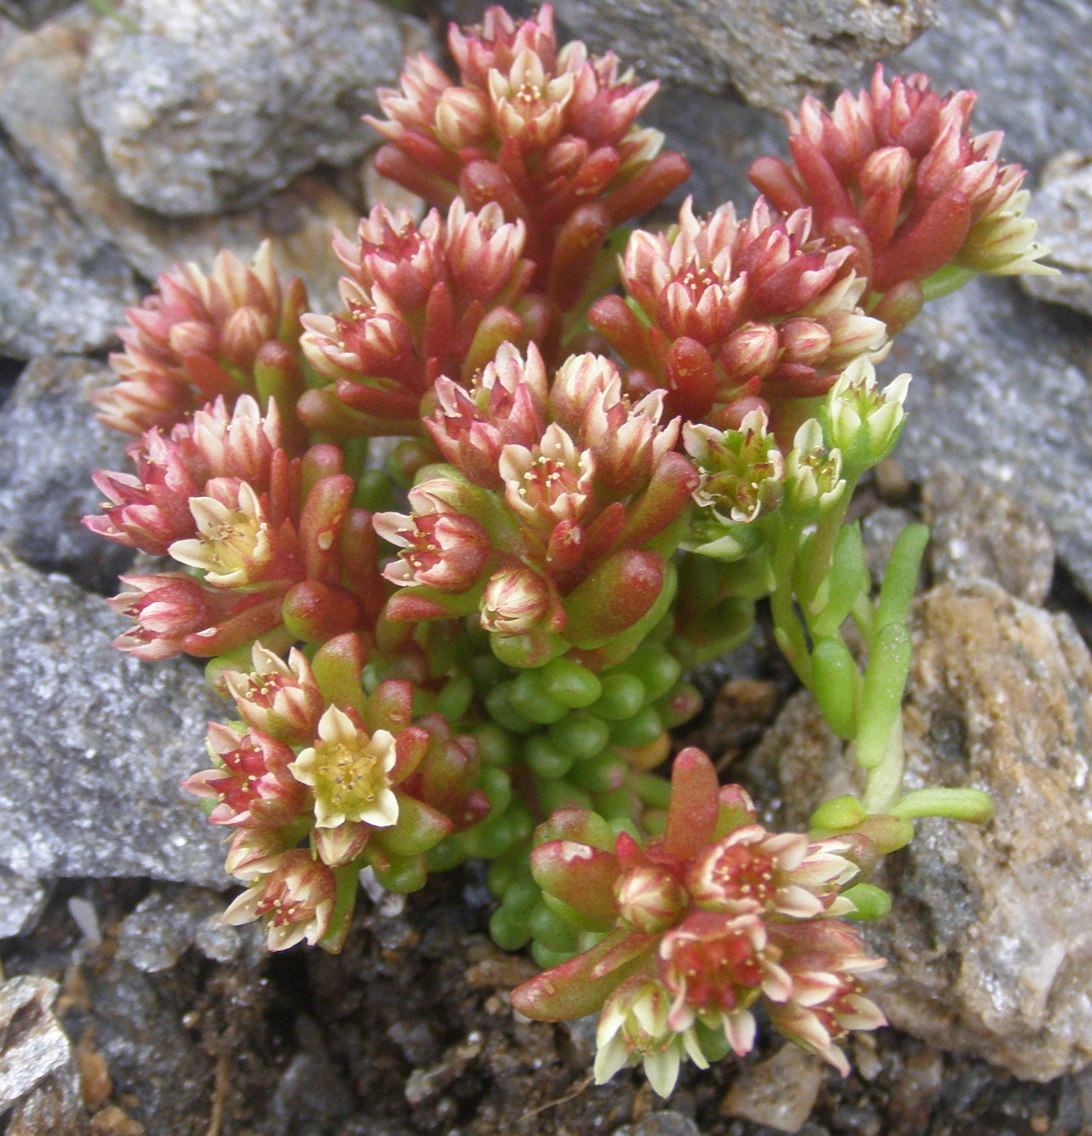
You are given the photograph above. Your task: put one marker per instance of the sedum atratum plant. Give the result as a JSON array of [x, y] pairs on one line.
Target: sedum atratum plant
[[599, 450]]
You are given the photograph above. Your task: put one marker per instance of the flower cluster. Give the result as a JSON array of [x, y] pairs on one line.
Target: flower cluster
[[362, 783], [273, 542], [698, 925], [729, 316], [472, 640], [550, 521], [201, 337], [547, 134], [895, 175], [420, 301]]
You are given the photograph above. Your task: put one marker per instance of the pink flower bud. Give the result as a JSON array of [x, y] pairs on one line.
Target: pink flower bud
[[650, 898], [517, 599]]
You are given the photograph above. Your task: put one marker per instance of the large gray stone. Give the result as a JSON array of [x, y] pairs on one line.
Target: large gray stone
[[204, 107], [39, 108], [51, 444], [61, 289], [1030, 62], [1062, 204], [771, 51], [988, 941], [94, 743], [1001, 392]]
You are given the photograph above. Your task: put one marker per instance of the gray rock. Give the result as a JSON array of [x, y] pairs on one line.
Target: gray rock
[[51, 444], [1001, 392], [1031, 63], [771, 52], [665, 1123], [30, 13], [95, 743], [312, 1093], [22, 901], [151, 1056], [62, 290], [39, 108], [879, 530], [1062, 204], [779, 1092], [980, 532], [720, 139], [987, 941], [155, 934], [32, 1044], [252, 93]]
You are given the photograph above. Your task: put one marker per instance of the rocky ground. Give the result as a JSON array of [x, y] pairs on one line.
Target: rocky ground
[[127, 1008]]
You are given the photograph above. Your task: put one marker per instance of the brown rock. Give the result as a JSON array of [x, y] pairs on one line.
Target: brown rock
[[37, 1069], [988, 941], [779, 1092]]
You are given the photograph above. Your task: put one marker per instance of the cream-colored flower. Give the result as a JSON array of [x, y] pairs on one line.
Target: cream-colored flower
[[230, 543], [348, 771], [633, 1027]]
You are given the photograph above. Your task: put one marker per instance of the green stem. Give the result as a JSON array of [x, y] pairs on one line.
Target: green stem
[[820, 555], [885, 779], [787, 627]]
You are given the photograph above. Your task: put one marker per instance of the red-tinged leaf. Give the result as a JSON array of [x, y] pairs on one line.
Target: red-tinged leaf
[[315, 612], [900, 305], [692, 809], [613, 318], [579, 875], [576, 824], [390, 705], [242, 628], [411, 607], [667, 171], [690, 379], [499, 326], [208, 376], [410, 747], [826, 194], [596, 171], [565, 548], [601, 536], [392, 163], [577, 246], [774, 178], [673, 481], [630, 854], [358, 557], [928, 246], [443, 774], [324, 413], [635, 947], [614, 597], [568, 991], [482, 182], [371, 398], [321, 518]]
